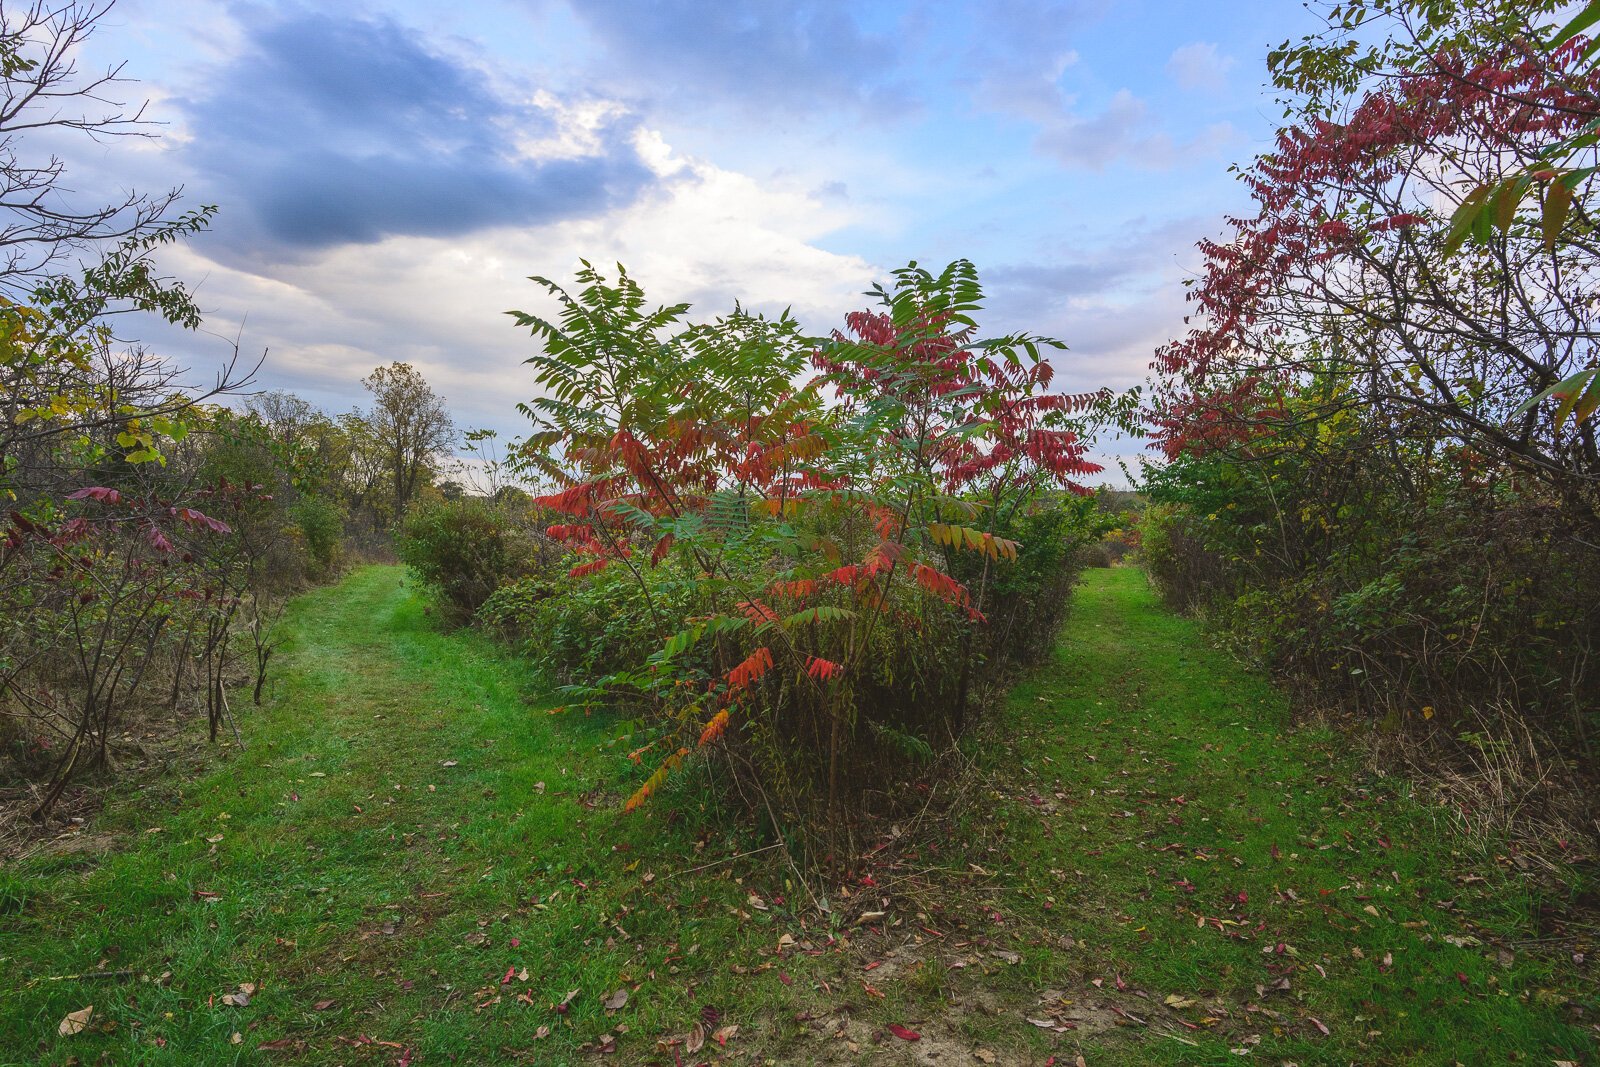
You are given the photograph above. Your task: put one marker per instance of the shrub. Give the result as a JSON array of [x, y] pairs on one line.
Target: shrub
[[803, 578], [321, 525], [468, 548], [1422, 601]]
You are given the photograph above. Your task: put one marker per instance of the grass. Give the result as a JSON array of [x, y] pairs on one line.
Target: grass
[[1195, 846], [413, 863]]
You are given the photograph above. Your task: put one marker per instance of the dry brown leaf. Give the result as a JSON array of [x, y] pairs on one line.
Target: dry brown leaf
[[75, 1022], [696, 1039], [617, 1001]]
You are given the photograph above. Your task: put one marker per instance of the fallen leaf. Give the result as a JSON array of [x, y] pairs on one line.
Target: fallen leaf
[[983, 1055], [448, 763], [75, 1021], [725, 1034], [696, 1039], [904, 1034], [324, 1005], [617, 1000], [476, 939], [1318, 1024], [1175, 1001]]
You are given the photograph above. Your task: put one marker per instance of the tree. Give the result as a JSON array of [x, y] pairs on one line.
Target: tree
[[1349, 274], [43, 90], [410, 426]]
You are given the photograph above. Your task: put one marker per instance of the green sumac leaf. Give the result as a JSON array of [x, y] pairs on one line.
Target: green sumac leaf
[[1586, 17], [1465, 218], [1557, 203], [819, 614], [1504, 206]]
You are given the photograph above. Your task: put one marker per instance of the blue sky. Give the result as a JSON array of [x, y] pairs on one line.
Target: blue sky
[[388, 174]]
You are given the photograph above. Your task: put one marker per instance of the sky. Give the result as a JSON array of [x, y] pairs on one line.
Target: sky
[[388, 175]]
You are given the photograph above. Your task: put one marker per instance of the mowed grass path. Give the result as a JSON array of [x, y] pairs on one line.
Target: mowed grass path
[[404, 828], [1254, 889], [413, 863]]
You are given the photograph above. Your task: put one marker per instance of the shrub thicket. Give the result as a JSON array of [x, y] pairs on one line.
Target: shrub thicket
[[815, 581], [1447, 596], [468, 548]]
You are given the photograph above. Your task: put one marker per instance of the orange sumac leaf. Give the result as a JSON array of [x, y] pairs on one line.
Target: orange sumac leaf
[[797, 589], [750, 669], [757, 612], [656, 780], [715, 728], [823, 670]]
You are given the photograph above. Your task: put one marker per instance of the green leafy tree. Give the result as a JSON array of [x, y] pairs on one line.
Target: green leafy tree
[[409, 427]]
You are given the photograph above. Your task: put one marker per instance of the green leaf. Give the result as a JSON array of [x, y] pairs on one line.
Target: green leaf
[[1504, 205], [1557, 202], [1580, 22], [1571, 388], [1591, 400], [1465, 217], [819, 614]]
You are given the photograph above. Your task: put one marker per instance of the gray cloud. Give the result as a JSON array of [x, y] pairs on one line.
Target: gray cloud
[[1020, 49], [327, 130], [1123, 130], [784, 55]]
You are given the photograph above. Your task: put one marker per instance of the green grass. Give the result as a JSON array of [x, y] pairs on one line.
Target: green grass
[[1192, 833], [407, 824]]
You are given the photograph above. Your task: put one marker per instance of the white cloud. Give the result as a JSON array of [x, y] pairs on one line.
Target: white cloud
[[705, 235], [1198, 65]]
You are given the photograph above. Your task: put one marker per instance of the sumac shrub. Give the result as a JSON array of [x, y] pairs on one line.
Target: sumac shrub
[[805, 538]]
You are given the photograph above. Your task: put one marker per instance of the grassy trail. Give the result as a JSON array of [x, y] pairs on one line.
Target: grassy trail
[[412, 863], [1250, 884]]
